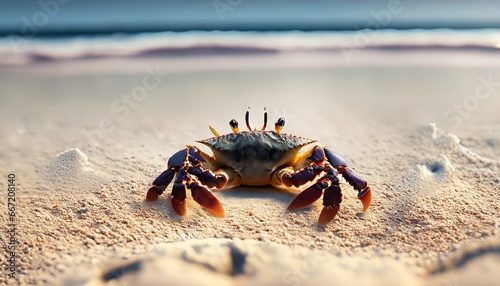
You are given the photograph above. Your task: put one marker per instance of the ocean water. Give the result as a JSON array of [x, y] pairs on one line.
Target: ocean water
[[19, 50]]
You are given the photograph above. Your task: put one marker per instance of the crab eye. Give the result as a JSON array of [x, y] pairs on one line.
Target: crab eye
[[279, 124], [234, 125]]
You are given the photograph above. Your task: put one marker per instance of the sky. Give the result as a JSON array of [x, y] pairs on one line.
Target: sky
[[111, 16]]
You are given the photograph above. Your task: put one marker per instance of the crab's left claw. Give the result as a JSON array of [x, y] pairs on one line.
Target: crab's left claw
[[206, 199]]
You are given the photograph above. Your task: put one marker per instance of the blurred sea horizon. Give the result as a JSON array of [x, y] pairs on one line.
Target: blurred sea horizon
[[18, 51]]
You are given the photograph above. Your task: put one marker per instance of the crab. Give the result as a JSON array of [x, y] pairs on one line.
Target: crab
[[258, 158]]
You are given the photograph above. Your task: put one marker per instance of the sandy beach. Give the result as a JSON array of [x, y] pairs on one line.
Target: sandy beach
[[85, 139]]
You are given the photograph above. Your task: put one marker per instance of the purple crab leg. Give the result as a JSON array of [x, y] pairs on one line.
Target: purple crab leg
[[178, 196], [332, 198], [364, 191], [360, 185], [209, 179], [177, 159]]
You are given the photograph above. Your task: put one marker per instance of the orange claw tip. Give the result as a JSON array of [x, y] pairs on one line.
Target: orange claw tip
[[206, 199], [216, 209], [152, 195], [366, 198], [306, 198], [328, 213], [179, 206]]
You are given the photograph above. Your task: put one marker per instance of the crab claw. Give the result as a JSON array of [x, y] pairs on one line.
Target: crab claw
[[307, 197], [365, 196], [327, 214], [206, 199], [153, 193]]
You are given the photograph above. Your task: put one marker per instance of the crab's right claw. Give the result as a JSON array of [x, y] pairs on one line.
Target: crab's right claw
[[206, 199], [365, 196]]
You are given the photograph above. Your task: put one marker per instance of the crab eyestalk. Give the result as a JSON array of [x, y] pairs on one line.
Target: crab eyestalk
[[279, 124], [234, 126]]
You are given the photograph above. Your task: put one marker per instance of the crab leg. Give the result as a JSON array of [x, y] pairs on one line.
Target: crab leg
[[360, 185], [364, 191], [311, 164], [178, 196], [313, 160], [205, 176], [199, 193], [159, 185], [188, 164], [332, 198]]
